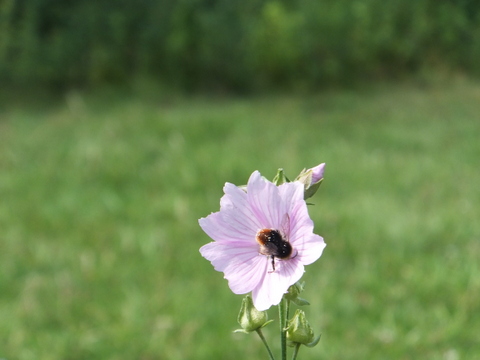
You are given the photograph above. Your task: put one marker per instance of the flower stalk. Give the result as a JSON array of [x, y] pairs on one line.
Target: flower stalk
[[260, 334], [295, 351], [283, 309]]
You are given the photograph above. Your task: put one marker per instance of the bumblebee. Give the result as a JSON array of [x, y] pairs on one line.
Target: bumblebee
[[273, 244]]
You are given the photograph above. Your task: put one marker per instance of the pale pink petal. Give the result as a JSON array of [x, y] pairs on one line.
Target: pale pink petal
[[244, 276], [241, 264], [267, 294], [290, 193], [265, 201], [237, 211], [275, 284], [221, 254], [310, 248], [234, 221], [222, 227], [235, 201], [317, 173], [234, 197], [300, 223]]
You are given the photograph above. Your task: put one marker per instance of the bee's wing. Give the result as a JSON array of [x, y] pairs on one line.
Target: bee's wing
[[285, 227]]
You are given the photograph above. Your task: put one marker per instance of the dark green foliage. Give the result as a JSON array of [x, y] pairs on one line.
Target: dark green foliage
[[239, 45]]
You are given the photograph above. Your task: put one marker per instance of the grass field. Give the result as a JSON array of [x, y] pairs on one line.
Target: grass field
[[100, 196]]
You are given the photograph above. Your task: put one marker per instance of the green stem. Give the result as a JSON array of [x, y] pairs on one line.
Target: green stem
[[295, 351], [287, 311], [283, 313], [259, 332]]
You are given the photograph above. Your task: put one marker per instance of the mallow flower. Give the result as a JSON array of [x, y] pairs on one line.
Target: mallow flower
[[263, 238]]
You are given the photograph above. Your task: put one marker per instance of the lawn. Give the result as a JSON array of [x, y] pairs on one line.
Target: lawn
[[100, 199]]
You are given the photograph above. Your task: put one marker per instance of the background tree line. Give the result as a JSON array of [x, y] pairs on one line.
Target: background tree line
[[238, 45]]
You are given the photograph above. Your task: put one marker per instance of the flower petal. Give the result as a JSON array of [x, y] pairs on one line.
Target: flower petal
[[310, 249], [242, 265], [265, 201], [290, 193], [234, 204], [309, 246], [275, 284], [220, 228], [235, 220], [300, 223], [223, 254], [244, 276], [317, 172]]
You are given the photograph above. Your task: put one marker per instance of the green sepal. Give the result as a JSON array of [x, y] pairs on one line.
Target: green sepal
[[293, 292], [314, 342], [305, 177], [280, 178], [311, 190], [248, 332], [300, 302]]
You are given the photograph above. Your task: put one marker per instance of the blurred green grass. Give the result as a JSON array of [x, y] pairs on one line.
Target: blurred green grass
[[99, 235]]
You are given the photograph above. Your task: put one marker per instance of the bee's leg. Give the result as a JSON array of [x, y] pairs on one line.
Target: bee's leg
[[273, 265]]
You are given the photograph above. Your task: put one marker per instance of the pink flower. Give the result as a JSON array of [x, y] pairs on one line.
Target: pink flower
[[317, 173], [262, 239]]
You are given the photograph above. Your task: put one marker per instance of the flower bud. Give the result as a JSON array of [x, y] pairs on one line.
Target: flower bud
[[280, 178], [311, 179], [249, 318], [293, 292], [299, 331], [317, 173]]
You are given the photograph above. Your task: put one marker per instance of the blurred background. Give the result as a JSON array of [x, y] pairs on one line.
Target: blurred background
[[120, 122], [238, 46]]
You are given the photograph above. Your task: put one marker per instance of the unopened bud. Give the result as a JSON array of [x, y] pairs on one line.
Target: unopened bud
[[317, 173], [249, 318], [293, 292], [280, 178], [299, 331], [311, 179]]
